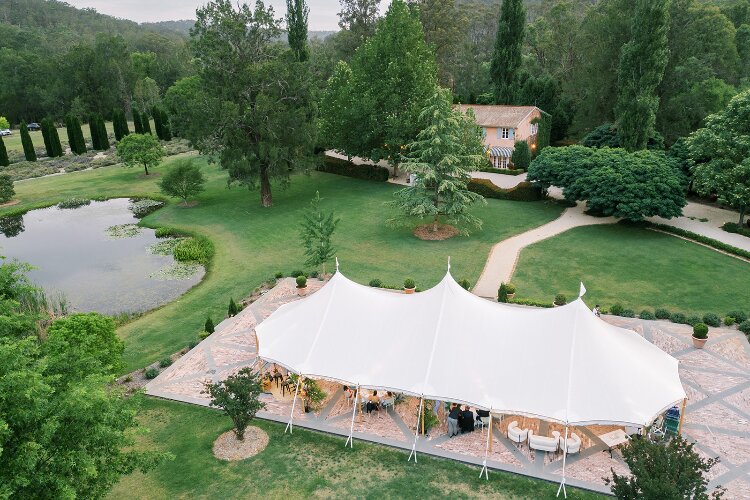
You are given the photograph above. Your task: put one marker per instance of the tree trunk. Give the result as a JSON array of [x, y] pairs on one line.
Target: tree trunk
[[742, 215], [145, 166], [266, 199], [435, 225]]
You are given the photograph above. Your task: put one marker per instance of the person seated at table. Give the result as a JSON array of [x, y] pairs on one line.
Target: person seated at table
[[276, 375], [373, 402], [467, 419], [453, 417], [348, 393], [481, 414]]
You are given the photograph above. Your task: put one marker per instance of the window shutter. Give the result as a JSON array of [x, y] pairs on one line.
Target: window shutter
[[512, 133], [499, 132], [484, 132]]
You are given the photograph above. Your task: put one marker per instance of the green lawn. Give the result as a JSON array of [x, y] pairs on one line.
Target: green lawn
[[636, 267], [253, 243], [301, 465], [13, 142]]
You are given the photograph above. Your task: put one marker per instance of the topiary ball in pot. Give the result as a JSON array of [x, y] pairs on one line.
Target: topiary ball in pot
[[409, 285], [700, 335], [301, 284]]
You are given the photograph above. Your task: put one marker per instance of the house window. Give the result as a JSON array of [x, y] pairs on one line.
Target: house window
[[534, 128], [504, 162], [503, 133]]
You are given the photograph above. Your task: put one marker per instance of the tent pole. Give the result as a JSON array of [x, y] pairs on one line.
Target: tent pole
[[490, 427], [294, 403], [682, 415], [416, 432], [486, 451], [565, 454], [350, 439], [423, 420]]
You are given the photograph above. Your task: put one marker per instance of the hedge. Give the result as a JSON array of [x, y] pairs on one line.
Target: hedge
[[732, 227], [504, 171], [339, 166], [524, 191], [702, 239]]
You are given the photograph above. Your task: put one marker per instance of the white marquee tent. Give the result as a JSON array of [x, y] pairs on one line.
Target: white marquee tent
[[561, 364]]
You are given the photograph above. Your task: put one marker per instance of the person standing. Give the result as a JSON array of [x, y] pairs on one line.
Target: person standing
[[453, 420]]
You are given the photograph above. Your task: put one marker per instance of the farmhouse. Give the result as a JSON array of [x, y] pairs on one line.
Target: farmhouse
[[502, 126]]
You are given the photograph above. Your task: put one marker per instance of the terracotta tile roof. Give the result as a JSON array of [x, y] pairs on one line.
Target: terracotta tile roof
[[496, 115]]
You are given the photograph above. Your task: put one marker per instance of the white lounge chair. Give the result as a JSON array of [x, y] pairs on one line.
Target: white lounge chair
[[574, 443], [544, 443], [484, 421], [517, 435]]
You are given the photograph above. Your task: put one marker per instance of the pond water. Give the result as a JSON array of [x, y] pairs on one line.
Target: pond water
[[78, 253]]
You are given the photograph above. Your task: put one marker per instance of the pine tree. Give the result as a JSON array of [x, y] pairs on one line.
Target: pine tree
[[233, 309], [46, 125], [137, 122], [209, 326], [642, 63], [157, 122], [506, 57], [54, 138], [4, 162], [296, 26], [316, 231], [94, 129], [28, 146]]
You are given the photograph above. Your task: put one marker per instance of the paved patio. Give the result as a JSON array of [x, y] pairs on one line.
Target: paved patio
[[716, 379]]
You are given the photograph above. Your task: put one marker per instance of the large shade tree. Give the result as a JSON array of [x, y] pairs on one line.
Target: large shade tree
[[441, 158], [721, 152], [393, 75], [613, 181], [258, 116]]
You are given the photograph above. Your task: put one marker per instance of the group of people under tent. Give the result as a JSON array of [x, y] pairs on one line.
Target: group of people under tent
[[463, 420], [373, 402]]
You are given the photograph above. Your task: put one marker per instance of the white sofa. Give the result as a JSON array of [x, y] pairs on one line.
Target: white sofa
[[544, 443], [517, 435], [574, 443]]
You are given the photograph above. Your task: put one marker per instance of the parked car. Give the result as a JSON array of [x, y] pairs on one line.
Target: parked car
[[33, 127], [5, 131]]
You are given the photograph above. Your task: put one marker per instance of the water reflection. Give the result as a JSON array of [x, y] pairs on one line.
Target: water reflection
[[73, 254]]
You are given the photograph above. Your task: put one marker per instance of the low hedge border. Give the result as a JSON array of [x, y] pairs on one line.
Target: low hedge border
[[504, 171], [524, 191], [701, 239], [346, 168]]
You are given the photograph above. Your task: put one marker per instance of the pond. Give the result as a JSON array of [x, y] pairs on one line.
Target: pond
[[97, 258]]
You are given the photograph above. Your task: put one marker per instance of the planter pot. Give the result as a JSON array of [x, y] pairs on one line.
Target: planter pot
[[409, 290], [510, 296], [699, 343], [302, 291], [555, 304]]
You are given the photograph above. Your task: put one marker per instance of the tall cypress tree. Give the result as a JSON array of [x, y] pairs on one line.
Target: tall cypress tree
[[102, 133], [506, 57], [28, 146], [120, 124], [80, 140], [137, 125], [157, 122], [642, 63], [145, 123], [296, 26], [4, 162], [46, 126], [54, 138], [94, 129], [166, 128]]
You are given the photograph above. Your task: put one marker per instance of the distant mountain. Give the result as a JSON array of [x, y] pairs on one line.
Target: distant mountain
[[182, 26]]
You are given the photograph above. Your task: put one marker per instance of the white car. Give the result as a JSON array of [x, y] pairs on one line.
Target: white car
[[5, 132]]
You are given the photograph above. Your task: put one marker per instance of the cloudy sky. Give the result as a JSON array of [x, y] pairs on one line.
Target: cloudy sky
[[322, 12]]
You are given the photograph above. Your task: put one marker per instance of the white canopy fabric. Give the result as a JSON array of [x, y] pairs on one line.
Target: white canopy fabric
[[561, 364]]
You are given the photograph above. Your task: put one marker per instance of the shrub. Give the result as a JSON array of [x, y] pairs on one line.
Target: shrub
[[739, 316], [733, 227], [678, 317], [196, 249], [693, 320], [465, 284], [4, 160], [237, 395], [531, 302], [204, 335], [700, 331], [232, 309], [376, 283], [343, 167], [168, 232], [524, 191], [712, 319], [646, 314], [662, 313], [502, 293], [745, 327], [616, 309], [151, 373], [209, 325], [6, 188], [510, 288], [521, 155], [165, 362], [627, 313], [192, 344], [729, 321], [409, 283], [314, 274], [73, 203], [294, 274], [183, 180], [561, 299], [301, 281]]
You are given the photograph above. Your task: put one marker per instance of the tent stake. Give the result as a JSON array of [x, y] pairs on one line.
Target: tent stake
[[565, 454], [486, 452], [350, 439], [294, 403], [416, 432]]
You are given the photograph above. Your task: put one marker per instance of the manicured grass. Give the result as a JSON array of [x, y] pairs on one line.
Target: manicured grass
[[13, 142], [639, 268], [301, 465], [253, 243]]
